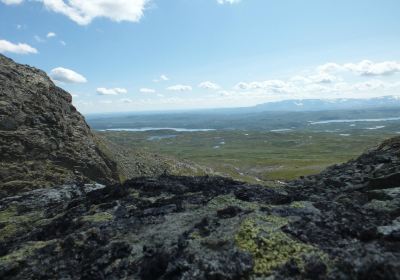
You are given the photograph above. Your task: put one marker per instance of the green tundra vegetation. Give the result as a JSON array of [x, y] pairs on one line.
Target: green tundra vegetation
[[255, 156]]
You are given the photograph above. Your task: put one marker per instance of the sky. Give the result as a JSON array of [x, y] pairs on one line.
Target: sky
[[152, 55]]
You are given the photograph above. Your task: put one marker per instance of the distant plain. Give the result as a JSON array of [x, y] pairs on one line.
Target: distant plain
[[255, 147]]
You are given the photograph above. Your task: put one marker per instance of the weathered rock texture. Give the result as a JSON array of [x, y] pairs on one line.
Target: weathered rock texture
[[43, 139], [341, 224]]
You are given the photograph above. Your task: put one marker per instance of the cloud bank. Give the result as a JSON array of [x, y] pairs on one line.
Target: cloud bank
[[12, 2], [111, 91], [51, 35], [83, 12], [209, 85], [363, 68], [181, 88], [68, 76], [19, 48], [221, 2]]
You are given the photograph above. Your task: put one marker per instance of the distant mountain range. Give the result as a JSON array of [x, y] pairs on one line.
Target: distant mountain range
[[328, 104], [268, 116], [292, 105]]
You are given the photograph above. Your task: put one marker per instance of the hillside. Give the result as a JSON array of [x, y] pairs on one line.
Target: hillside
[[43, 139], [340, 224]]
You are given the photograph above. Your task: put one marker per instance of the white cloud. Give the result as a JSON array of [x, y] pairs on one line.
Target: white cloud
[[111, 91], [369, 68], [209, 85], [323, 82], [63, 43], [226, 93], [323, 78], [276, 86], [228, 1], [363, 68], [39, 39], [12, 2], [180, 88], [51, 35], [65, 75], [84, 12], [369, 85], [329, 67], [147, 90], [19, 48], [162, 78]]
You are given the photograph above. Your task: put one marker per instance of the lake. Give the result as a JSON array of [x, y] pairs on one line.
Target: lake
[[158, 129]]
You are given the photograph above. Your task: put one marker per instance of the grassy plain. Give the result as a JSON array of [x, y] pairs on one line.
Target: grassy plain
[[255, 156]]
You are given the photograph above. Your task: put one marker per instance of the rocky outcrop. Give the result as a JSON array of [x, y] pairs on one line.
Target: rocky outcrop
[[43, 139], [341, 224], [133, 163]]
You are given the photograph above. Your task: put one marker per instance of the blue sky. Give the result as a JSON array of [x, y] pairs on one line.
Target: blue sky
[[135, 55]]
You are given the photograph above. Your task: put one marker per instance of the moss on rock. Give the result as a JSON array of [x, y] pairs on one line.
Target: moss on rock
[[223, 201], [21, 254], [14, 223], [270, 247], [98, 218]]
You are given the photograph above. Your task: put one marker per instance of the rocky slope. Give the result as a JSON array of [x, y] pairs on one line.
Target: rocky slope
[[341, 224], [43, 139], [133, 163]]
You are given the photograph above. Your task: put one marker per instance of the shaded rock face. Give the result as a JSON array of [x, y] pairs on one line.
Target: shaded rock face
[[341, 224], [43, 139]]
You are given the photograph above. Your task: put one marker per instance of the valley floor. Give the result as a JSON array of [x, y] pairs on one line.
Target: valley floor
[[255, 156]]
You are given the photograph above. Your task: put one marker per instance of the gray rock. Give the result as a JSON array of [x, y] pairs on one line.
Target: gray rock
[[39, 125]]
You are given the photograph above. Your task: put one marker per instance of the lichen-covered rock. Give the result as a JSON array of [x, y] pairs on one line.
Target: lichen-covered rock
[[43, 139]]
